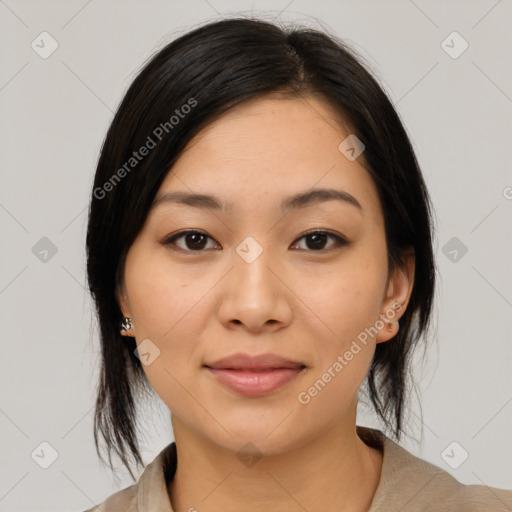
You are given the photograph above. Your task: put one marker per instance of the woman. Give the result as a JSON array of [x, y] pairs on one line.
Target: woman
[[260, 254]]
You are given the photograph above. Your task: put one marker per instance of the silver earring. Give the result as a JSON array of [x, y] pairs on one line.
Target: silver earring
[[126, 324]]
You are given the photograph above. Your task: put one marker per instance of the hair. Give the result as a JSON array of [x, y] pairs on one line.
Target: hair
[[201, 75]]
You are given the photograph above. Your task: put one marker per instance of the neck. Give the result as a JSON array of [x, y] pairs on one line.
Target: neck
[[336, 471]]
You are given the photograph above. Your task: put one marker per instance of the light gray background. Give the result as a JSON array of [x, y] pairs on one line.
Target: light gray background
[[54, 115]]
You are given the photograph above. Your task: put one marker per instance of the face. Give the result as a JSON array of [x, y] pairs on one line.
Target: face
[[304, 284]]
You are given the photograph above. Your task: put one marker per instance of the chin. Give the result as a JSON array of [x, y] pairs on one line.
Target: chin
[[267, 437]]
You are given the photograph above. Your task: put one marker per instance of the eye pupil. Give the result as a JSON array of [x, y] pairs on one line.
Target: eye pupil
[[196, 237], [318, 240]]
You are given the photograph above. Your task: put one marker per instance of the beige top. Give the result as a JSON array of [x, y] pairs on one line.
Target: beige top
[[407, 484]]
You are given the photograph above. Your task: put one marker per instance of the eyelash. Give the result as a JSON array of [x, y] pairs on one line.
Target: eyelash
[[339, 240]]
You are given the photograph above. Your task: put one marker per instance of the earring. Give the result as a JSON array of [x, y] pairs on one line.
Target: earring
[[126, 324]]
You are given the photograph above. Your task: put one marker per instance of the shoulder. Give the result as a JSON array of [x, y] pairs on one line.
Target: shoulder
[[411, 484], [121, 500], [149, 492]]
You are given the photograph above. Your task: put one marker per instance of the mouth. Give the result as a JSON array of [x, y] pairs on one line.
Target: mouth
[[254, 375]]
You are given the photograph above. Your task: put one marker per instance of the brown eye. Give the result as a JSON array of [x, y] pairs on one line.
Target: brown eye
[[316, 241], [191, 241], [197, 241]]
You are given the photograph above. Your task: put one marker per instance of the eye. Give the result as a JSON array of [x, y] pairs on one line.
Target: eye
[[193, 240], [315, 241], [196, 241]]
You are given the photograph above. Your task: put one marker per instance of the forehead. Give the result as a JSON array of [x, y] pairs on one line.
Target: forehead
[[265, 149]]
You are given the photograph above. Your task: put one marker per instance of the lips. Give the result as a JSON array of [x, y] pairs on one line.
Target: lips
[[254, 375], [257, 363]]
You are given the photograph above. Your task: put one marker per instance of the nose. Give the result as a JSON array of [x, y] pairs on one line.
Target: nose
[[255, 296]]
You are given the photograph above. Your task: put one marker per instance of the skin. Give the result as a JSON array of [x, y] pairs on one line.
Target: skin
[[295, 300]]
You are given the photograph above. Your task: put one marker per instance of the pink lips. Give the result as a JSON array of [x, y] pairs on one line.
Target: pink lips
[[254, 375]]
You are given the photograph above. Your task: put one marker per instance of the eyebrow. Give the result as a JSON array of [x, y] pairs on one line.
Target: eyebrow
[[297, 201]]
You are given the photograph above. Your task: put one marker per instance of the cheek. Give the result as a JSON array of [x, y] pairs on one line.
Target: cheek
[[167, 307], [163, 298], [347, 298], [348, 305]]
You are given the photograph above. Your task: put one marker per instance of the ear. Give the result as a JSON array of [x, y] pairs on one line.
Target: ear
[[397, 297]]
